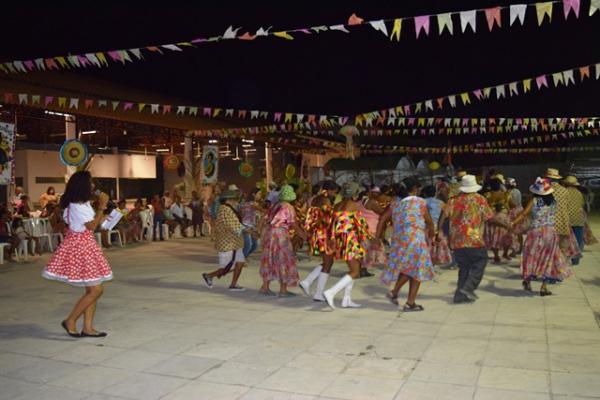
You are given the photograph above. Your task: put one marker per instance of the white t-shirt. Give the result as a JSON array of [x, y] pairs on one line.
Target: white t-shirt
[[77, 215], [177, 210]]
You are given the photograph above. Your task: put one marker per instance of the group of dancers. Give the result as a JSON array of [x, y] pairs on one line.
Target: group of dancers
[[349, 223]]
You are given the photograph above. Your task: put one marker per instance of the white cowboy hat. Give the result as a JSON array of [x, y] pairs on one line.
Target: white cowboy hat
[[468, 184]]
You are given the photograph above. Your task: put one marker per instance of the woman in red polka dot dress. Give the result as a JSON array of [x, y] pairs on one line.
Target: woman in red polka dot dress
[[79, 261]]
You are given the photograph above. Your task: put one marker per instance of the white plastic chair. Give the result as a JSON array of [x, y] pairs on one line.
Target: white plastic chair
[[2, 247], [146, 218], [115, 232], [36, 228]]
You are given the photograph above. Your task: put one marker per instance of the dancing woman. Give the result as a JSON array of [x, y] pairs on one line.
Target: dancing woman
[[542, 257], [78, 260], [410, 259], [318, 226], [349, 230]]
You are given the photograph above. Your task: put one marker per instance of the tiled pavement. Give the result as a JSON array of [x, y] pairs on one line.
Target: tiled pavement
[[171, 338]]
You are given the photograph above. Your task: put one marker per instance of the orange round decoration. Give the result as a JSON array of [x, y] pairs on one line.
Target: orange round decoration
[[171, 162]]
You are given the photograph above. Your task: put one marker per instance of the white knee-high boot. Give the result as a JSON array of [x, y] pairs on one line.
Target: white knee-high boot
[[347, 300], [341, 284], [321, 282], [310, 278]]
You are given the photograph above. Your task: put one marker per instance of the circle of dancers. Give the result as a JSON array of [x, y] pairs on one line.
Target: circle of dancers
[[408, 228]]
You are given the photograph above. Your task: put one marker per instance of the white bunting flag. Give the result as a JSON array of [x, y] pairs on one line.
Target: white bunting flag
[[74, 103], [379, 26], [468, 18], [517, 12]]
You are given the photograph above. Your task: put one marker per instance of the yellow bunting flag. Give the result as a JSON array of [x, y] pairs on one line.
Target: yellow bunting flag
[[62, 61], [527, 85], [465, 98], [141, 106], [542, 10], [396, 29], [101, 58], [62, 101], [284, 35]]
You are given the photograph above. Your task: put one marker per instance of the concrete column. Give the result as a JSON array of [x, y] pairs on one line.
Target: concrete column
[[71, 133], [268, 163], [188, 161]]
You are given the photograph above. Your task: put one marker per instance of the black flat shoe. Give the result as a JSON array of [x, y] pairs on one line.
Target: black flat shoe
[[96, 335], [72, 334], [545, 292], [527, 286]]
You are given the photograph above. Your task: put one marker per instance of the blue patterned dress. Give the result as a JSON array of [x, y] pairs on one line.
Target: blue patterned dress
[[410, 253]]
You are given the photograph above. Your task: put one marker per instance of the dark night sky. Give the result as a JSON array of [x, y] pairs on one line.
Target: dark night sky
[[332, 73]]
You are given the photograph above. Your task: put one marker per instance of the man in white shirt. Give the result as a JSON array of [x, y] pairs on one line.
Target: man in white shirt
[[179, 217], [167, 200]]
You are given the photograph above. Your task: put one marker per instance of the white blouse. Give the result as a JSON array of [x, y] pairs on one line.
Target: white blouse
[[77, 215]]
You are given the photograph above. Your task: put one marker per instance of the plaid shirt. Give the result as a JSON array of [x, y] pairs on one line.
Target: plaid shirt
[[575, 202], [562, 223], [228, 230]]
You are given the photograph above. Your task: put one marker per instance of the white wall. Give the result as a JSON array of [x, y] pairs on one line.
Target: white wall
[[30, 164]]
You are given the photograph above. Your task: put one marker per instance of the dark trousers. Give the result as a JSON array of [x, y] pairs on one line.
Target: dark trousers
[[578, 231], [158, 221], [471, 266]]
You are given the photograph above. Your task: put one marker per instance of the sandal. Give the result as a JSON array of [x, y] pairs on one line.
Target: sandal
[[286, 294], [412, 307], [393, 299], [545, 292], [527, 286], [267, 292]]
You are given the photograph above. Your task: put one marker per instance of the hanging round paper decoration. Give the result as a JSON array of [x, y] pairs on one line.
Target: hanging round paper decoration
[[434, 165], [290, 171], [73, 153], [246, 169], [171, 162]]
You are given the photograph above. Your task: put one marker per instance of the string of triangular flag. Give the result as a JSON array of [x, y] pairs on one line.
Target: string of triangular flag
[[422, 24], [76, 103], [565, 78], [473, 150]]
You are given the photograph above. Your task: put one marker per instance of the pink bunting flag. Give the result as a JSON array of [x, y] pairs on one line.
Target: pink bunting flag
[[493, 17], [166, 109], [83, 61], [407, 110], [478, 94], [48, 100], [114, 55], [355, 20], [569, 5], [541, 81], [88, 103], [206, 111], [584, 72], [440, 102], [29, 64], [127, 106], [277, 117], [422, 23], [247, 36]]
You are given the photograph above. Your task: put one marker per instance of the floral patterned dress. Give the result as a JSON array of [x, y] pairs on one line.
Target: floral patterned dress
[[350, 230], [496, 237], [278, 262], [409, 254], [318, 225], [542, 257]]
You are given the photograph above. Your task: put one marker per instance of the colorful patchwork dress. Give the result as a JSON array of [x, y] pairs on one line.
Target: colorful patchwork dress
[[349, 230], [278, 262], [542, 257], [409, 254], [318, 226]]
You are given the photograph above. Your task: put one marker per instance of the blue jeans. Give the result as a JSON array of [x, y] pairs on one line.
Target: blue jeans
[[250, 244], [578, 232], [158, 221]]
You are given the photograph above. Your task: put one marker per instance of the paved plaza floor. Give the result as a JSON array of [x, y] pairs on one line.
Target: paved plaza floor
[[172, 338]]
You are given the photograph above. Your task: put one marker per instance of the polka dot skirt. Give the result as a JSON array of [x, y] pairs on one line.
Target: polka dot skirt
[[78, 261]]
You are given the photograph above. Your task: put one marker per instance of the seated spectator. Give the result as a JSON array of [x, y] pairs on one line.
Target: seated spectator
[[23, 209], [178, 217], [20, 234], [49, 197]]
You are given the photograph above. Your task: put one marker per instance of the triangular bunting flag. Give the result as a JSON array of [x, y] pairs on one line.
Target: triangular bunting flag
[[171, 47], [230, 33], [526, 85], [355, 20], [166, 109], [396, 29], [517, 12], [569, 5], [598, 71], [487, 92], [422, 23], [428, 105], [181, 110], [284, 35], [500, 91], [62, 102], [74, 60], [74, 103], [542, 10], [493, 17], [452, 101], [102, 59], [594, 6], [465, 98], [93, 59], [584, 72], [468, 18], [35, 99], [154, 108], [541, 81], [557, 78], [445, 22], [23, 98], [193, 111], [137, 53], [127, 106], [102, 103], [513, 89], [379, 26], [340, 27], [115, 105], [141, 106], [568, 76]]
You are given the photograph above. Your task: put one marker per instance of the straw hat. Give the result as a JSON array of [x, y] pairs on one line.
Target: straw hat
[[232, 192], [460, 174], [552, 173], [571, 180], [541, 187], [500, 177], [468, 184], [287, 193]]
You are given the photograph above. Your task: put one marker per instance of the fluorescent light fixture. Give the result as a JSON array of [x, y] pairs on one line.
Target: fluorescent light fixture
[[56, 113], [247, 141], [162, 150], [88, 132], [182, 143], [213, 141], [246, 145]]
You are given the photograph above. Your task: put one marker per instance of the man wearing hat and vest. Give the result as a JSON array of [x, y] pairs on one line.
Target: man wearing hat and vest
[[229, 240], [467, 213], [562, 224]]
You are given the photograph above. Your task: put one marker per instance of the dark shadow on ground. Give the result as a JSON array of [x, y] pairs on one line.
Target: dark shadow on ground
[[11, 331]]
